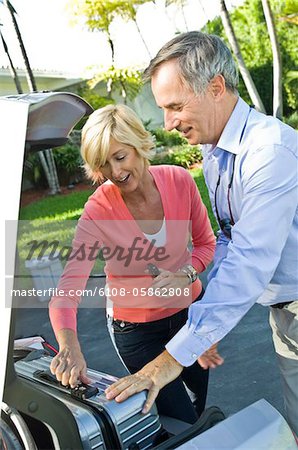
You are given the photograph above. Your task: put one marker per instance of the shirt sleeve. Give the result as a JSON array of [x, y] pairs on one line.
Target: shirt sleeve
[[269, 183], [221, 250], [203, 238], [85, 246]]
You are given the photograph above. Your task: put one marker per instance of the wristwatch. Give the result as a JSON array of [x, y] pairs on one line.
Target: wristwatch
[[190, 272]]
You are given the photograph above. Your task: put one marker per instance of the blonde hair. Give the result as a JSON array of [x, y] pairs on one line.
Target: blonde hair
[[113, 121]]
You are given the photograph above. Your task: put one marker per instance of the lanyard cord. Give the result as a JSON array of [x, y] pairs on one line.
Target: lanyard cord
[[231, 180], [215, 196], [229, 189]]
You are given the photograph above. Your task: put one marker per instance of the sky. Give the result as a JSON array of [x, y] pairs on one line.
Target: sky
[[52, 43]]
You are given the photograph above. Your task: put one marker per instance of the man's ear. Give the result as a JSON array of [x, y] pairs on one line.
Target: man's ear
[[217, 87]]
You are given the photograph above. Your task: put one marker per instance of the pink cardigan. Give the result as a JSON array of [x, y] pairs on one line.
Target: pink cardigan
[[106, 222]]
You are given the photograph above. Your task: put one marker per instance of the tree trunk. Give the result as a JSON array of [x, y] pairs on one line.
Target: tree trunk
[[48, 164], [52, 168], [277, 64], [29, 74], [250, 86], [143, 40], [124, 93], [184, 18], [180, 4], [11, 67], [204, 11], [111, 44], [47, 172], [177, 31]]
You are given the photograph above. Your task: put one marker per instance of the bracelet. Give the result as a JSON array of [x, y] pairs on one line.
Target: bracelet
[[190, 271]]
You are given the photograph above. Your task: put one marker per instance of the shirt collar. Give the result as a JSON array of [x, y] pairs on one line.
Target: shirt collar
[[232, 133]]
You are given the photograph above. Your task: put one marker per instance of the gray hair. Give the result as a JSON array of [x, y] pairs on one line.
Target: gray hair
[[200, 57]]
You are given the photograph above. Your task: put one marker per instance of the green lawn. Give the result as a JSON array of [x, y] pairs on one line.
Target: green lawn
[[50, 219], [198, 176], [60, 207]]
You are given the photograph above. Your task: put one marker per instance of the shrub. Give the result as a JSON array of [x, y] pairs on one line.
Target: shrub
[[184, 156], [68, 164], [34, 172], [292, 120], [164, 138], [68, 158]]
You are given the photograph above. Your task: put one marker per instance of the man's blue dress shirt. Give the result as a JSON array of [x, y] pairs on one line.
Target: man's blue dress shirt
[[260, 262]]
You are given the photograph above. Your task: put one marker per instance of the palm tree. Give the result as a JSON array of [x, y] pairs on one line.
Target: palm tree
[[289, 12], [277, 64], [249, 83], [134, 19], [11, 66], [204, 10], [29, 73], [128, 11], [48, 162], [180, 4]]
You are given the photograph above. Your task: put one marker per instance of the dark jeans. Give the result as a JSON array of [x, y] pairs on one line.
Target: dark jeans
[[139, 343]]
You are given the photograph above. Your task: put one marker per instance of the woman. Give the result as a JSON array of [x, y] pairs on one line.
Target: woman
[[138, 215]]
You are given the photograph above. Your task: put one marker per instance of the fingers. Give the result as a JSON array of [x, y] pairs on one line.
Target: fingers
[[127, 386], [69, 370], [74, 377], [151, 397], [84, 378], [115, 388], [58, 366], [54, 364], [63, 372], [206, 363], [169, 280], [211, 358], [163, 279], [214, 357]]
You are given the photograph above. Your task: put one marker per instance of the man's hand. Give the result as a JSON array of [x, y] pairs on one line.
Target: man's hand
[[153, 377], [211, 358]]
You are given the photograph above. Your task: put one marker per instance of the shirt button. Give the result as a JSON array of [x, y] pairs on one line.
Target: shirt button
[[194, 356]]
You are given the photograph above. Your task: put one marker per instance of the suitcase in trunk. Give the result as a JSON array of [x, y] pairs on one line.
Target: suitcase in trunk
[[102, 424]]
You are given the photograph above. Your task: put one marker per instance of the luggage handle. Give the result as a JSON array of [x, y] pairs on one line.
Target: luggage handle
[[82, 391]]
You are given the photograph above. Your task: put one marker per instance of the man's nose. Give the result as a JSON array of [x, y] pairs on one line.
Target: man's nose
[[171, 122]]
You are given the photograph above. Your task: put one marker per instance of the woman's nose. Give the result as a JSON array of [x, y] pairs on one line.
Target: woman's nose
[[116, 171]]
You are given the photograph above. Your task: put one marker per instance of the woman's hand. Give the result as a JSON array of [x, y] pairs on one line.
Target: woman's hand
[[170, 280], [211, 358], [69, 365]]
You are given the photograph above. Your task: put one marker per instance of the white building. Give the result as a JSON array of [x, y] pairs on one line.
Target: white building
[[45, 80], [143, 104]]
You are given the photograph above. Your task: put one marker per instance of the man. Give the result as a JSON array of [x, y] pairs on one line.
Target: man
[[250, 166]]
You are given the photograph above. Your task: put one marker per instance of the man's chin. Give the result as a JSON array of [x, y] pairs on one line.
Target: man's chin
[[193, 140]]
